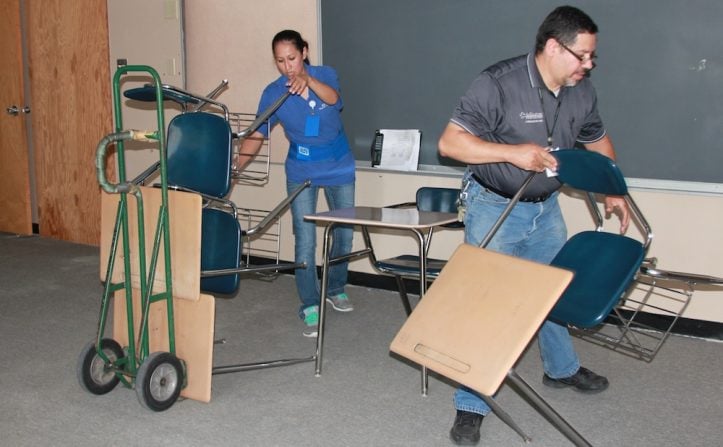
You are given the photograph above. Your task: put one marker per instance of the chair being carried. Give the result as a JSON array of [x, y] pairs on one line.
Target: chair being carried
[[615, 282], [482, 290]]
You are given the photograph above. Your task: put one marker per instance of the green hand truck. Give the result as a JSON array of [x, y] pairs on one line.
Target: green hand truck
[[157, 377]]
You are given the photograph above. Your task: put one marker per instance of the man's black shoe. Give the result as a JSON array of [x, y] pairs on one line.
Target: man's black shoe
[[584, 381], [465, 430]]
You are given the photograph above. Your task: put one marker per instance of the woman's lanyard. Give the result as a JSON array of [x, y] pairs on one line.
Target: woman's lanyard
[[549, 129], [311, 127]]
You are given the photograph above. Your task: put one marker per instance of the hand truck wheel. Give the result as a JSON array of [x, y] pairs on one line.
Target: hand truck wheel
[[159, 381], [94, 374]]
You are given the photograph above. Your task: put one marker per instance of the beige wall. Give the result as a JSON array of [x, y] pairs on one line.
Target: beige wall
[[145, 32], [230, 39]]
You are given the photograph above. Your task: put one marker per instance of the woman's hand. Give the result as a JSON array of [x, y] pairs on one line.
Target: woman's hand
[[298, 84]]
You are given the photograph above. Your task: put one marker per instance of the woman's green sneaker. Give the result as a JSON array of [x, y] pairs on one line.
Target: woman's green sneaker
[[340, 302], [311, 320]]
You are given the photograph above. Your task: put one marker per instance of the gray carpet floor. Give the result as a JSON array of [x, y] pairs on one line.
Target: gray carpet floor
[[49, 304]]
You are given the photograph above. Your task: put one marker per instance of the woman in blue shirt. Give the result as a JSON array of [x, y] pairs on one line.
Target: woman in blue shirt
[[318, 151]]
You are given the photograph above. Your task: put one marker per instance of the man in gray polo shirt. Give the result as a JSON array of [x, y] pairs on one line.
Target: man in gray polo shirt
[[503, 128]]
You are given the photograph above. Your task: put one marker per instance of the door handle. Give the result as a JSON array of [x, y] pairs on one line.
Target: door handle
[[14, 110]]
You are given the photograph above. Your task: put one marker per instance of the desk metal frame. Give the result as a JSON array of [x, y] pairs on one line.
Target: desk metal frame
[[420, 223]]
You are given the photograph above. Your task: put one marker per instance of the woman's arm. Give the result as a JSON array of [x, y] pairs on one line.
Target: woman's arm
[[249, 147], [326, 93]]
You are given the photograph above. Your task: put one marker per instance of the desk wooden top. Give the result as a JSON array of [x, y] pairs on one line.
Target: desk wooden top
[[479, 315], [409, 218]]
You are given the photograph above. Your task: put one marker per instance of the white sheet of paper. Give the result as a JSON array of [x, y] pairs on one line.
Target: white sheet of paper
[[400, 149], [400, 216]]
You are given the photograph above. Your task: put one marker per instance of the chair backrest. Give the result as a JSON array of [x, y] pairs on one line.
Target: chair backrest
[[590, 171], [443, 200], [200, 152]]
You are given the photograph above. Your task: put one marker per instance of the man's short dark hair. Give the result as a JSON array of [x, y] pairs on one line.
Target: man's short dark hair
[[564, 24]]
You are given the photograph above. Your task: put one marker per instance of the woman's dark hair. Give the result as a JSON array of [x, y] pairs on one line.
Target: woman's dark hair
[[292, 36], [564, 24]]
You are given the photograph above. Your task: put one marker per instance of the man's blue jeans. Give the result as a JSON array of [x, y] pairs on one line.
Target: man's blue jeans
[[534, 231], [307, 281]]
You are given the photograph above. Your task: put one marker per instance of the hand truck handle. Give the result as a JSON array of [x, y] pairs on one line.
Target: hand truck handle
[[100, 153]]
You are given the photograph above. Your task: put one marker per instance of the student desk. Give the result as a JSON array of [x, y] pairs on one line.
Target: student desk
[[419, 223]]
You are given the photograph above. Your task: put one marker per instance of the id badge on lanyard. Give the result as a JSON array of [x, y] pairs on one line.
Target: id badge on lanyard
[[311, 128]]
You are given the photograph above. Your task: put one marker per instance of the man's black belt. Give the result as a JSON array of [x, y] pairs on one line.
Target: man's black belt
[[536, 199]]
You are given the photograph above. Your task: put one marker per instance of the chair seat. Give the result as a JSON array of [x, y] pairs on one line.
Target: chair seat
[[408, 266], [148, 94], [604, 265], [220, 249]]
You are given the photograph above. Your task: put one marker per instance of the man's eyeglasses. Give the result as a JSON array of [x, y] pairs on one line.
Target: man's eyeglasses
[[585, 58]]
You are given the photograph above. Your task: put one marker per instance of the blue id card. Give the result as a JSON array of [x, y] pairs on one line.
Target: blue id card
[[312, 126]]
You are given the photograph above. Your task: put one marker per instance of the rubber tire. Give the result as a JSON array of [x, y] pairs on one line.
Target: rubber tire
[[159, 381], [88, 369]]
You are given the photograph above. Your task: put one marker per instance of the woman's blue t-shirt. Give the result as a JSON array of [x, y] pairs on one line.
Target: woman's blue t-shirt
[[319, 150]]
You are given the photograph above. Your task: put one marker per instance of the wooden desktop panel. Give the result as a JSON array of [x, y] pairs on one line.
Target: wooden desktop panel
[[479, 315]]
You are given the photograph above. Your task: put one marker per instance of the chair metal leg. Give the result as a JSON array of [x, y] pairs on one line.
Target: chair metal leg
[[403, 294], [545, 408]]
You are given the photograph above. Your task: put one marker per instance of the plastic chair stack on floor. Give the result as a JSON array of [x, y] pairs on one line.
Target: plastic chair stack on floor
[[196, 240], [200, 154], [200, 161], [200, 151]]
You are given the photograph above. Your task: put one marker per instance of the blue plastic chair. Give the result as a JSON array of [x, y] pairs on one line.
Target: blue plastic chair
[[605, 264], [608, 266]]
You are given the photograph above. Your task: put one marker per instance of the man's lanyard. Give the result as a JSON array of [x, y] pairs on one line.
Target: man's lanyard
[[544, 117]]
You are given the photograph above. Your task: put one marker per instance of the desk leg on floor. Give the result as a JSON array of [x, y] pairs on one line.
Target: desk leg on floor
[[549, 412], [423, 245], [326, 248], [506, 418]]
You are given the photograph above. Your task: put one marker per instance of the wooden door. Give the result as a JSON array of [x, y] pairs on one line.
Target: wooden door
[[15, 211], [71, 111]]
